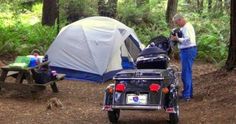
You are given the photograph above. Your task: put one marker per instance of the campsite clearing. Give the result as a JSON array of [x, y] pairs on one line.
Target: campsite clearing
[[213, 103]]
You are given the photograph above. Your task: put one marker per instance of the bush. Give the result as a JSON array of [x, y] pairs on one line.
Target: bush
[[147, 21], [23, 39], [212, 38], [21, 32]]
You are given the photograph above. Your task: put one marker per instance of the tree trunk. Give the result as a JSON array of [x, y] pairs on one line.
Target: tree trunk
[[171, 11], [220, 3], [231, 61], [188, 1], [218, 6], [74, 10], [209, 5], [140, 3], [112, 8], [227, 5], [50, 12], [108, 9], [58, 16], [101, 7], [200, 6]]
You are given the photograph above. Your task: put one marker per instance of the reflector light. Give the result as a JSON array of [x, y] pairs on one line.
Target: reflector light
[[154, 87], [170, 110], [110, 90], [165, 90], [107, 108], [120, 87]]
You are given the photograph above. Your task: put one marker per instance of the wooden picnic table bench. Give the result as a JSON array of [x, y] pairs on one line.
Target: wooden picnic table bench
[[26, 73], [12, 73]]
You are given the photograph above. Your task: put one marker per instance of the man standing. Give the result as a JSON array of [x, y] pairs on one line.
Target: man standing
[[188, 52]]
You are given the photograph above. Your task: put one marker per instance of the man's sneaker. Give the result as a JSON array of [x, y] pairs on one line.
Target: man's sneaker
[[186, 99]]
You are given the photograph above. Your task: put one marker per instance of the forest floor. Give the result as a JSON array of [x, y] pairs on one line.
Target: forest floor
[[214, 102]]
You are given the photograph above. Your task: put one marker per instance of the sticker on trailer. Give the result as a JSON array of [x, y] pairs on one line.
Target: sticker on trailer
[[140, 99]]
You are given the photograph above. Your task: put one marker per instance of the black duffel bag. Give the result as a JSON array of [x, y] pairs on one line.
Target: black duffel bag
[[42, 76]]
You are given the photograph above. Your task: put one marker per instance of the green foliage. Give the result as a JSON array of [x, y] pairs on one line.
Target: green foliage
[[212, 30], [81, 8], [145, 34], [212, 37], [21, 31], [23, 39], [212, 27], [147, 21]]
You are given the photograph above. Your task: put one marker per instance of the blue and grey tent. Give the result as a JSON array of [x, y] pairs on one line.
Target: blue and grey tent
[[94, 49]]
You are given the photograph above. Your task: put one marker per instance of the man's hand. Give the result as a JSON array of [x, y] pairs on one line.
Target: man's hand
[[174, 38]]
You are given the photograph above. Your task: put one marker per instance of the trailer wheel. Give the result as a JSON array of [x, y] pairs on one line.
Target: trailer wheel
[[174, 117], [114, 115]]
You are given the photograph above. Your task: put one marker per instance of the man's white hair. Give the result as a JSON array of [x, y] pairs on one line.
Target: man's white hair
[[177, 17]]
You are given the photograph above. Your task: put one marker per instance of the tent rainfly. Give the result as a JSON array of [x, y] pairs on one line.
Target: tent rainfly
[[94, 49]]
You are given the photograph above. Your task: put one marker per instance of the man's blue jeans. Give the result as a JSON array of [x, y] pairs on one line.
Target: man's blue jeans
[[187, 57]]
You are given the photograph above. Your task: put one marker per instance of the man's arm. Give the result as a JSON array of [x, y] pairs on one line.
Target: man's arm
[[188, 36]]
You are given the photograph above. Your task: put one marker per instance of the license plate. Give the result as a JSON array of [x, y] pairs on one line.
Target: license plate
[[140, 99]]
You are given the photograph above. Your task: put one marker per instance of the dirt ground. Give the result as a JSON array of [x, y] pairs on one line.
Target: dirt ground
[[214, 102]]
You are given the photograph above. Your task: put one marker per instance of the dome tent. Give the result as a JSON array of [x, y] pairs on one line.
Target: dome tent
[[94, 49]]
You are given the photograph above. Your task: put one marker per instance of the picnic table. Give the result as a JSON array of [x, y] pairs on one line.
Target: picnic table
[[26, 73]]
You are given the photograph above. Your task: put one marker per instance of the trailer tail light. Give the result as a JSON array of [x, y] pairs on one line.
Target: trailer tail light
[[154, 87], [120, 87]]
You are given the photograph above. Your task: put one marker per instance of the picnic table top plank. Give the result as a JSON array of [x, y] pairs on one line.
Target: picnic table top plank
[[20, 72], [7, 68]]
